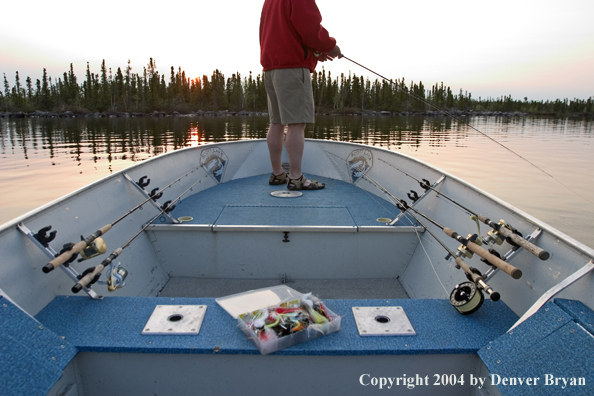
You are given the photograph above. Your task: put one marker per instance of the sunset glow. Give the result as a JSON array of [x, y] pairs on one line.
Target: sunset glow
[[535, 49]]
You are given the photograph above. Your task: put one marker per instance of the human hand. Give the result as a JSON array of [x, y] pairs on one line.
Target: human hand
[[329, 55]]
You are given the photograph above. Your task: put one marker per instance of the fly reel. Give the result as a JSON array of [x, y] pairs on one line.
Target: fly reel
[[466, 298]]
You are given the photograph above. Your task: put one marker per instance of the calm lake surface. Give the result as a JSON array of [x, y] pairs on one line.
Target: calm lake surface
[[44, 159]]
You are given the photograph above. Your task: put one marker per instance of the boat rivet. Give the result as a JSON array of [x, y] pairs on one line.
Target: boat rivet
[[571, 331], [559, 320], [511, 332], [149, 343], [62, 346], [489, 347], [40, 327], [217, 349], [546, 309], [499, 361], [405, 344], [364, 331], [169, 329], [147, 329], [53, 358], [4, 305]]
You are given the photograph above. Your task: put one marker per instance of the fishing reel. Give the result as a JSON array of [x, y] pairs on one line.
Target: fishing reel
[[495, 237], [467, 298], [94, 249], [116, 278], [463, 249]]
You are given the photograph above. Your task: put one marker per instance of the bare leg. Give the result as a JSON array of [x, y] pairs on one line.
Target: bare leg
[[295, 142], [275, 138]]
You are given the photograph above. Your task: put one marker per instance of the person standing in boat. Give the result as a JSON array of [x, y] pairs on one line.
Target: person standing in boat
[[292, 41]]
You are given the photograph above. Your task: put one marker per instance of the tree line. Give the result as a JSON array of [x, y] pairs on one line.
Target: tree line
[[125, 91]]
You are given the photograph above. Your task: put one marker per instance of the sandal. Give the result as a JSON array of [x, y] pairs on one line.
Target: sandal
[[277, 180], [298, 184]]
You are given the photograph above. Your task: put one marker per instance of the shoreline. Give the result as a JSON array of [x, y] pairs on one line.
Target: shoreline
[[244, 113]]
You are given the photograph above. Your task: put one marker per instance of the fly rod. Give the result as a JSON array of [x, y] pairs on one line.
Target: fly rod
[[80, 246], [94, 272], [472, 273], [501, 228], [473, 247]]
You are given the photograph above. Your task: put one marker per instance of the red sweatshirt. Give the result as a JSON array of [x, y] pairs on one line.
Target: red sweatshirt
[[290, 32]]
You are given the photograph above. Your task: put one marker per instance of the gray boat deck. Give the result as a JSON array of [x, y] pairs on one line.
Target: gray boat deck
[[248, 202]]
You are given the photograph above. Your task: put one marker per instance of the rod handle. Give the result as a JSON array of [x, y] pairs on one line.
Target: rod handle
[[85, 280], [61, 259], [496, 261], [518, 240], [493, 295]]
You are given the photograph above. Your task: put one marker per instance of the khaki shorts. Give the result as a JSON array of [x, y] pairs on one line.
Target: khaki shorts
[[290, 96]]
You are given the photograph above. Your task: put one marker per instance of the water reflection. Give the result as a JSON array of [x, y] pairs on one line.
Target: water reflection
[[135, 139], [44, 159]]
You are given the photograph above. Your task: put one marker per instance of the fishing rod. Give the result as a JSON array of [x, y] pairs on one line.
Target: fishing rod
[[472, 273], [463, 298], [68, 255], [469, 243], [503, 228], [92, 274], [449, 114]]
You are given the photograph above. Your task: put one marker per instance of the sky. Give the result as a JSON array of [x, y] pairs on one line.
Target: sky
[[538, 49]]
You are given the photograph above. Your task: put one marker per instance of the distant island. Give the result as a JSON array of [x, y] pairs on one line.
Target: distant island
[[124, 93]]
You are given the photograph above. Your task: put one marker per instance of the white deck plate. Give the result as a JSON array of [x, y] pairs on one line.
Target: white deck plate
[[286, 194], [175, 320], [382, 321]]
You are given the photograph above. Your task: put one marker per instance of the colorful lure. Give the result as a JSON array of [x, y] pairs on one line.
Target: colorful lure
[[288, 318]]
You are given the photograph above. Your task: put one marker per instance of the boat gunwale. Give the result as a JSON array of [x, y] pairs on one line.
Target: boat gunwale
[[570, 241]]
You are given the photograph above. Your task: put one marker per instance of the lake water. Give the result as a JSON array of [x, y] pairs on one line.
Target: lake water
[[44, 159]]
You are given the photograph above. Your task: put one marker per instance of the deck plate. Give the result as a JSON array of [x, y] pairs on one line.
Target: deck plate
[[286, 194], [175, 320], [382, 321]]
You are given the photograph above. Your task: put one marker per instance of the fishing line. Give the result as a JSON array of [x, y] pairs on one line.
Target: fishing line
[[412, 95]]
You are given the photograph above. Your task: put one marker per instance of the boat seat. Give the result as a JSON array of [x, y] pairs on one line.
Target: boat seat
[[559, 336], [115, 325], [33, 357]]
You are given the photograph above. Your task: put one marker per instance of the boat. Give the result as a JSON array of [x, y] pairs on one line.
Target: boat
[[128, 285]]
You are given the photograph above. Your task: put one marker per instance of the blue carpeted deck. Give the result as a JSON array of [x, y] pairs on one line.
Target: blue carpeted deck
[[115, 325], [249, 202], [558, 339], [32, 356]]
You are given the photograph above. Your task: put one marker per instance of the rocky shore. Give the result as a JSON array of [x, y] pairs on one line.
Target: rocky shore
[[243, 113]]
